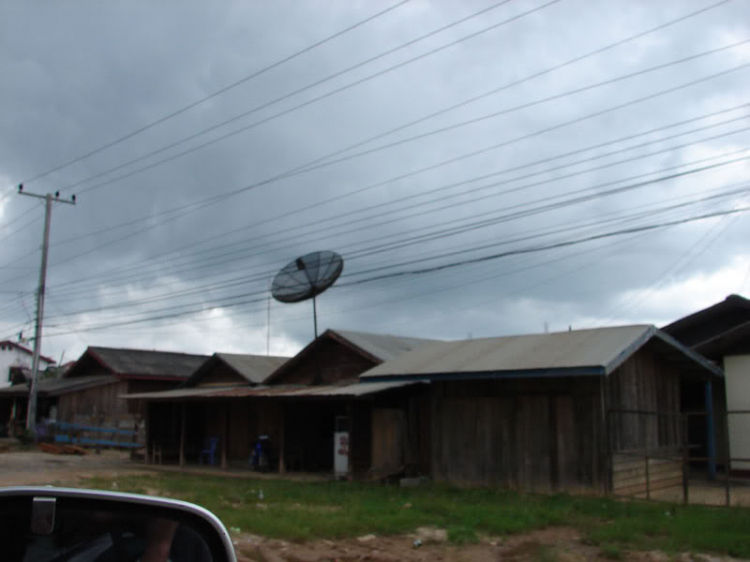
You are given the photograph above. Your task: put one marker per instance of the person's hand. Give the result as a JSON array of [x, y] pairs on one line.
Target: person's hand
[[159, 536]]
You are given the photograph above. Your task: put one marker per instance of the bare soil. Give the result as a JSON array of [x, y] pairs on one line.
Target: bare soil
[[32, 467], [549, 545]]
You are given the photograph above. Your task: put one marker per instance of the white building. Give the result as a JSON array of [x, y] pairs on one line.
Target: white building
[[14, 355]]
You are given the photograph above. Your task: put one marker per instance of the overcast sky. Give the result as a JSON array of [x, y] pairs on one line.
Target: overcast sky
[[484, 168]]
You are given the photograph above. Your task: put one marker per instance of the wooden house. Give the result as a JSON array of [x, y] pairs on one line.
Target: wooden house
[[721, 333], [125, 371], [298, 407], [14, 399], [552, 411], [182, 421]]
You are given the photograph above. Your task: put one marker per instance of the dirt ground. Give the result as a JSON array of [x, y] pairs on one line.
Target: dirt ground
[[28, 468], [550, 545]]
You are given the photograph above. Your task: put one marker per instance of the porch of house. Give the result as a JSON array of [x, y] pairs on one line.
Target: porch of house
[[298, 436], [356, 438]]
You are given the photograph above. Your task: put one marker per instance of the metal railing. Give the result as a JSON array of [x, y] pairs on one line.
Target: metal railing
[[667, 456]]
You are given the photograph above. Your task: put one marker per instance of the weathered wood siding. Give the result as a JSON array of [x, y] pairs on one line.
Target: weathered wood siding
[[646, 428], [532, 434], [388, 439], [239, 435], [100, 405], [137, 408], [644, 383], [630, 476], [221, 374], [330, 362]]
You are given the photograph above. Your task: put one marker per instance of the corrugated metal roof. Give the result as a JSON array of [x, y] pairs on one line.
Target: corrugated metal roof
[[254, 368], [180, 393], [55, 387], [374, 347], [353, 390], [145, 363], [381, 346], [595, 351]]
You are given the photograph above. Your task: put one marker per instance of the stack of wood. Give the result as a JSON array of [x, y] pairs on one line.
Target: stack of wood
[[58, 449]]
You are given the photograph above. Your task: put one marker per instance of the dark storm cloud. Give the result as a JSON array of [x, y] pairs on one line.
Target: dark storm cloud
[[83, 74]]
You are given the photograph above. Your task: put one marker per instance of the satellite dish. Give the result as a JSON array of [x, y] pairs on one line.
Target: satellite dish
[[307, 277]]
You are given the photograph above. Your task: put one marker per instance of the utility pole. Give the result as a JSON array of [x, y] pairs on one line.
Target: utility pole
[[48, 200]]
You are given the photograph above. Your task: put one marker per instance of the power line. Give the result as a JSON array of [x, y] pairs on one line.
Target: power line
[[303, 89], [360, 226], [215, 93], [219, 198], [643, 214], [645, 294], [212, 260], [299, 169], [213, 200], [475, 248], [553, 246], [441, 267]]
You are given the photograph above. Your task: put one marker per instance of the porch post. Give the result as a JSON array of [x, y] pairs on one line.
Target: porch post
[[350, 460], [282, 431], [710, 437], [183, 407], [224, 432], [147, 454]]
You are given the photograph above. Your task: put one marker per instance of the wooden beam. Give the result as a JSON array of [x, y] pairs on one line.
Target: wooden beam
[[350, 460], [183, 419], [224, 434], [282, 431], [147, 454]]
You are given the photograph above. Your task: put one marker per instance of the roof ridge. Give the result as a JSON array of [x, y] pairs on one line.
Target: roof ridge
[[140, 350], [339, 331]]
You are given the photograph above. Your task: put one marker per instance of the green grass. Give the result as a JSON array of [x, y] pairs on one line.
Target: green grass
[[611, 551], [301, 511]]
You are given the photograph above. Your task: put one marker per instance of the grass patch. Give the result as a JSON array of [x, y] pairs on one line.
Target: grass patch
[[462, 535], [612, 552], [300, 511]]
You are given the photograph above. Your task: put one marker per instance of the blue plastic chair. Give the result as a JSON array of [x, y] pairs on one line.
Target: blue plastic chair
[[210, 452]]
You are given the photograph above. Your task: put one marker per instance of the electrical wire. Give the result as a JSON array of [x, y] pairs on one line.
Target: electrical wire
[[303, 89], [440, 164], [214, 94], [212, 261], [543, 208]]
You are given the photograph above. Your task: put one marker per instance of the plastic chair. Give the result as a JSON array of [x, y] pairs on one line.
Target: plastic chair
[[210, 452]]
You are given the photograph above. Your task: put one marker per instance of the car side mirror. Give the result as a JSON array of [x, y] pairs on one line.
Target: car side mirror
[[47, 524]]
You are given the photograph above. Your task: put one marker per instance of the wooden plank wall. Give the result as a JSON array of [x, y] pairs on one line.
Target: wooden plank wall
[[647, 383], [136, 386], [388, 439], [535, 434], [100, 406], [330, 362], [239, 435], [629, 474], [219, 374], [360, 444]]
